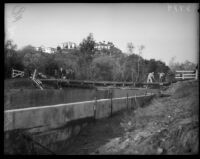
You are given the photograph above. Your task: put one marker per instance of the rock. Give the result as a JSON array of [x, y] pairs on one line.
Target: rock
[[163, 139], [159, 150]]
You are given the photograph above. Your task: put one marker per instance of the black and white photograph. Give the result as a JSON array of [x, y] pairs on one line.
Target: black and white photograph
[[101, 78]]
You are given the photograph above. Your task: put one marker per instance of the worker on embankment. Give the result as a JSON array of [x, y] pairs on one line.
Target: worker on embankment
[[150, 77], [61, 73], [161, 76]]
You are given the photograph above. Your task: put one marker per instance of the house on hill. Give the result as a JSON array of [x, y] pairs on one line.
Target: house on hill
[[44, 49], [69, 45], [103, 45]]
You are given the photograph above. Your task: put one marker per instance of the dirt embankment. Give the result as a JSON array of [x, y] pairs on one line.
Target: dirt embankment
[[168, 125]]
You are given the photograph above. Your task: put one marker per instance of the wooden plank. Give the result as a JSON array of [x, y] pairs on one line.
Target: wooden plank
[[181, 71], [188, 74], [184, 77]]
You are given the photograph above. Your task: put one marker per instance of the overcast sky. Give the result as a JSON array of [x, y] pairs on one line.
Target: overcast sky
[[166, 30]]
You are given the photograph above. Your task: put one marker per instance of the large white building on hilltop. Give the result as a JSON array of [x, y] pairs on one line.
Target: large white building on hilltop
[[69, 45], [103, 45], [42, 48]]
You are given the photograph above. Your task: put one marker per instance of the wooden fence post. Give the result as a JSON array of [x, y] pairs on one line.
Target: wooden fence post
[[110, 102], [146, 91], [94, 108], [34, 74], [127, 101], [135, 102], [95, 104]]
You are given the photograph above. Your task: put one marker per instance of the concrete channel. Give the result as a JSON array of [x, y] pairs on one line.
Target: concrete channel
[[47, 125]]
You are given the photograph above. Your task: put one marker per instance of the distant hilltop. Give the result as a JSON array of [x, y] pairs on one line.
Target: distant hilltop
[[73, 46]]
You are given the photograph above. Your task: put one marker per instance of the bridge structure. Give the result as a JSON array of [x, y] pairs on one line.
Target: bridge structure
[[89, 83]]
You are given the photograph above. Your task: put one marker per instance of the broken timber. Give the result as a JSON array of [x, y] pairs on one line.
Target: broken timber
[[37, 81]]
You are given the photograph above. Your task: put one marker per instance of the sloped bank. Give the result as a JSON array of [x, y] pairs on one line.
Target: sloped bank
[[168, 125], [32, 130]]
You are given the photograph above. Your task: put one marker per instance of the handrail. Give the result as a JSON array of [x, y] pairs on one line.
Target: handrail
[[180, 71]]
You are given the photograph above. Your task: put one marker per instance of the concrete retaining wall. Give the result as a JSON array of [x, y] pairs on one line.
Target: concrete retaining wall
[[50, 124], [23, 98], [15, 99]]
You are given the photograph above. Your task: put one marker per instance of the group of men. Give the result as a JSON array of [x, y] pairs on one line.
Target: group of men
[[150, 77]]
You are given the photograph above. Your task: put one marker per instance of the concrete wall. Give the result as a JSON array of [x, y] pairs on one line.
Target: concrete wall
[[14, 99], [23, 98], [50, 124], [47, 116]]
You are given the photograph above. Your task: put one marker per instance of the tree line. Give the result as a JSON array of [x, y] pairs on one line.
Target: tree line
[[87, 63]]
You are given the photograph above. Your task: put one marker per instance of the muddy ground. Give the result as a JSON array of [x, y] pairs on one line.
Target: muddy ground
[[167, 125]]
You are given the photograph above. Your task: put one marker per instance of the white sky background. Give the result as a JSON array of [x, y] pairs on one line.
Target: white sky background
[[166, 30]]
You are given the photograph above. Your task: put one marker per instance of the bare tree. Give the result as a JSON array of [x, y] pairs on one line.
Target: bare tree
[[141, 47], [130, 47]]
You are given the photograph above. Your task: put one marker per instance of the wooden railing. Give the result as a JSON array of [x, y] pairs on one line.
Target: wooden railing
[[185, 74], [16, 73]]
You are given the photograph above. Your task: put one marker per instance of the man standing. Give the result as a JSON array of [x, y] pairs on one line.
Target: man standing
[[61, 72], [150, 77], [161, 76]]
